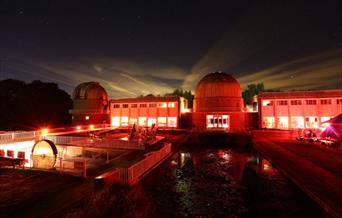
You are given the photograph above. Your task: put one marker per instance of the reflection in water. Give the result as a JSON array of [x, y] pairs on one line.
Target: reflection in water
[[213, 183]]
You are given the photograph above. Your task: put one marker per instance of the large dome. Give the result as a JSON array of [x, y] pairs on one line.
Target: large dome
[[218, 92], [218, 85], [90, 90]]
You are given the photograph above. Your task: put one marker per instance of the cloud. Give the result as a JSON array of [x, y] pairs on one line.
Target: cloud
[[320, 71]]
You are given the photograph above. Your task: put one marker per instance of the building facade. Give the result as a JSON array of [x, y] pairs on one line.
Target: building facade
[[218, 104], [163, 112], [298, 109]]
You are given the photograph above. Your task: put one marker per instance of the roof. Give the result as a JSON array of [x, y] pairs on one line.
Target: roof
[[301, 94], [90, 90], [146, 99], [218, 84], [218, 77]]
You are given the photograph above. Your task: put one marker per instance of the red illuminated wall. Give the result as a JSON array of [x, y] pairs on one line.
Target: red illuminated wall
[[165, 112], [299, 109]]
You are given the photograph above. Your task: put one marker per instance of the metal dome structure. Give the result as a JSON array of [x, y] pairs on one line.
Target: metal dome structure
[[218, 103], [218, 92], [90, 104], [90, 90]]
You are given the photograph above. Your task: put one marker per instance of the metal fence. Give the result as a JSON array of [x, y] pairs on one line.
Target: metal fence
[[96, 142], [17, 136]]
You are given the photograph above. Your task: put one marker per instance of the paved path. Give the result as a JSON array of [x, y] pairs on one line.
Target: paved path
[[316, 170]]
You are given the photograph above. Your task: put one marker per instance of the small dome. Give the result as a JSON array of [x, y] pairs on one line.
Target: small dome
[[218, 92], [218, 85], [90, 90]]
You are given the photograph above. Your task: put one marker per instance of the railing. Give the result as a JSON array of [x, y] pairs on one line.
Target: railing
[[63, 139], [132, 174], [96, 142], [17, 136]]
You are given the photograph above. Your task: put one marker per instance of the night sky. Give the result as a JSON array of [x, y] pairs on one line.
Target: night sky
[[135, 48]]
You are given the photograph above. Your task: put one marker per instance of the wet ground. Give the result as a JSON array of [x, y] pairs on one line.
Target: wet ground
[[206, 182]]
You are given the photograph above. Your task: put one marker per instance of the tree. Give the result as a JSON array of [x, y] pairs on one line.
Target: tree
[[33, 105], [252, 90], [185, 94]]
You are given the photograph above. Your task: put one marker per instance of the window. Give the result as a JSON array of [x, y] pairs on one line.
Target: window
[[116, 106], [267, 103], [311, 122], [124, 121], [86, 117], [282, 102], [151, 121], [134, 105], [133, 121], [125, 105], [297, 122], [152, 105], [161, 121], [323, 119], [283, 122], [142, 121], [143, 105], [296, 102], [172, 122], [339, 101], [162, 105], [115, 121], [325, 101], [311, 102], [268, 122], [171, 104]]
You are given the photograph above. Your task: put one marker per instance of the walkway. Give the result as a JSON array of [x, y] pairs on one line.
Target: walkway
[[316, 170]]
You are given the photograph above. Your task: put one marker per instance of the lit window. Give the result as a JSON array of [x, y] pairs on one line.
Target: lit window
[[296, 102], [86, 117], [133, 121], [172, 121], [268, 122], [311, 102], [311, 122], [171, 104], [325, 101], [282, 102], [210, 121], [125, 105], [283, 122], [323, 119], [142, 121], [142, 105], [267, 103], [152, 105], [151, 121], [161, 121], [134, 105], [162, 105], [124, 121], [116, 106], [297, 122], [115, 121]]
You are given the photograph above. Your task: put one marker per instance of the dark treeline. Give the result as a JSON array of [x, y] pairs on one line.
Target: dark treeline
[[183, 93], [27, 106]]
